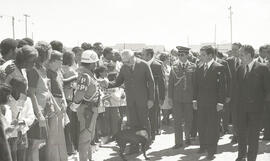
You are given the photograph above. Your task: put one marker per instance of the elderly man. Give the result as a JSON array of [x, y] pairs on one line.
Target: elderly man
[[139, 87]]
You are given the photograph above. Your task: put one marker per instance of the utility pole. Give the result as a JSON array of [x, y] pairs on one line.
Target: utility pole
[[215, 36], [13, 27], [230, 9], [26, 16], [12, 23]]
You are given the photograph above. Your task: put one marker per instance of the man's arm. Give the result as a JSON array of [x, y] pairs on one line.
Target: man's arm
[[150, 82], [228, 77], [221, 80], [119, 79], [161, 83], [171, 85]]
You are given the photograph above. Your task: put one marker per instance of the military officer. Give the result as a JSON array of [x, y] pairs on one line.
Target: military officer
[[86, 101], [181, 94]]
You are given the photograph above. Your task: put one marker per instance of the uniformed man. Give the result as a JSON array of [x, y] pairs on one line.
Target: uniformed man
[[181, 94], [86, 101]]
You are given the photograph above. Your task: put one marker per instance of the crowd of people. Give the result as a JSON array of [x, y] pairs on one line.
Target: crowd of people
[[57, 101]]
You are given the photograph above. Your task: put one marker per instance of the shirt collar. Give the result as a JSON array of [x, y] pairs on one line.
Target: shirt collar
[[150, 61], [250, 65], [210, 63]]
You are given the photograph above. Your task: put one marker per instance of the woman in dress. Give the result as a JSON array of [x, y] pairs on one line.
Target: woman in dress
[[47, 112], [166, 108]]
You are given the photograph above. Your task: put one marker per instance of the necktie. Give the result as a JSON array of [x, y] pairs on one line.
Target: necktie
[[247, 70], [205, 69]]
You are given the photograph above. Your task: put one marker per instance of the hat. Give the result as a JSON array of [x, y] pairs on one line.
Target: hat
[[89, 56], [182, 49]]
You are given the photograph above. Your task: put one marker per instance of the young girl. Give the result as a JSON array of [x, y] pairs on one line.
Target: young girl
[[47, 112], [20, 104], [57, 145], [5, 92], [111, 102], [69, 80]]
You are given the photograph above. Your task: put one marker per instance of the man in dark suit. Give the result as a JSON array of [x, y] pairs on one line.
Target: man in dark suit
[[139, 88], [224, 115], [180, 93], [253, 86], [209, 98], [234, 62], [157, 69], [264, 57], [266, 122]]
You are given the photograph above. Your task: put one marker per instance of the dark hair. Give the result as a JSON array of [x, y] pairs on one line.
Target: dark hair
[[100, 70], [43, 49], [97, 44], [56, 55], [76, 49], [262, 48], [25, 53], [5, 91], [163, 57], [7, 45], [29, 41], [208, 49], [21, 43], [86, 46], [57, 45], [149, 51], [107, 51], [249, 49], [68, 58], [237, 44]]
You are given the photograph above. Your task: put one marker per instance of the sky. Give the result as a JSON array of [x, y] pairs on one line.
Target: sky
[[154, 22]]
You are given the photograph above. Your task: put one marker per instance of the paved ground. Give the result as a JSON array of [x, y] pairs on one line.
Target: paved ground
[[161, 150]]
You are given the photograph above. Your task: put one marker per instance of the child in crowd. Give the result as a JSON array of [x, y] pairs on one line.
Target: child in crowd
[[56, 84], [111, 102], [69, 79], [5, 92]]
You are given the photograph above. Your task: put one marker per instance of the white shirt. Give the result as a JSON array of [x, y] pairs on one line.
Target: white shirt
[[208, 66], [210, 63], [250, 65]]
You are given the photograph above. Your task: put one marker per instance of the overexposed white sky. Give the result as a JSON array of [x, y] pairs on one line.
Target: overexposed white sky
[[165, 22]]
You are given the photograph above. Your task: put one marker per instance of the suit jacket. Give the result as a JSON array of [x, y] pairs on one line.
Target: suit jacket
[[253, 87], [228, 75], [157, 69], [139, 83], [176, 89], [209, 88]]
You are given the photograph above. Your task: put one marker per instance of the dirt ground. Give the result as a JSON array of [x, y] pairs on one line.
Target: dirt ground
[[161, 150]]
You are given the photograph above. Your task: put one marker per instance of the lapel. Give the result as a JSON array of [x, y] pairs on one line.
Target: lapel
[[209, 70]]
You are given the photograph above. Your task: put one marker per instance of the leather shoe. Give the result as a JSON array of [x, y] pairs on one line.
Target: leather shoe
[[200, 151], [210, 157], [187, 142], [240, 159], [234, 140], [177, 146]]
